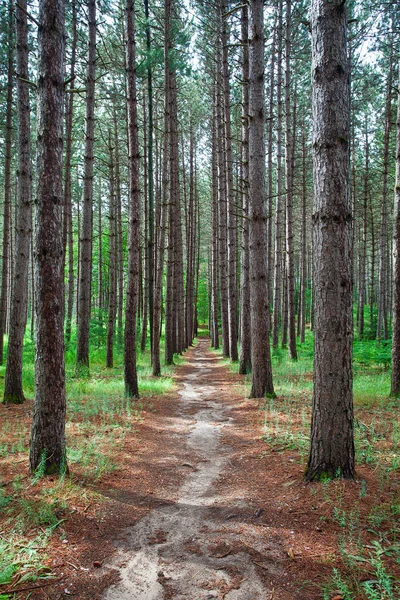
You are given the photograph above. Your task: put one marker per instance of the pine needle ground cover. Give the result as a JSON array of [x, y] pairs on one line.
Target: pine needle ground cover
[[38, 515]]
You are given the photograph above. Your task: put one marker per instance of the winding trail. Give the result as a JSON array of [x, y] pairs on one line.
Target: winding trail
[[183, 550]]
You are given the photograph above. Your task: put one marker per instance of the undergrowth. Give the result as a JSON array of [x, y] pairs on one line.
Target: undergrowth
[[99, 419]]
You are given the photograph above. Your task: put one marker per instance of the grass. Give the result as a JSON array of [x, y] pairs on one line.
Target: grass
[[99, 419], [368, 543]]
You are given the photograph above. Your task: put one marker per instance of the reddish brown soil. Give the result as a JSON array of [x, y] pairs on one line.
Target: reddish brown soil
[[286, 526]]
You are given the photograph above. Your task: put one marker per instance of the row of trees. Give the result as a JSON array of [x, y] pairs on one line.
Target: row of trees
[[184, 165]]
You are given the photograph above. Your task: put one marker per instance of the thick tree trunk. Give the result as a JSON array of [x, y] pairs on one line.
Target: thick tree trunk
[[395, 384], [7, 185], [86, 234], [332, 445], [48, 425], [260, 349], [13, 391], [132, 288], [245, 321]]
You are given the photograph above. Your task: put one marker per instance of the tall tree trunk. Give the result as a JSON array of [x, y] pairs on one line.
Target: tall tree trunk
[[290, 141], [231, 219], [67, 218], [382, 324], [214, 258], [363, 249], [112, 279], [270, 175], [120, 256], [260, 349], [132, 288], [86, 234], [159, 273], [395, 383], [332, 445], [278, 206], [13, 391], [150, 168], [222, 219], [146, 233], [7, 185], [245, 321], [48, 424], [303, 245], [100, 291]]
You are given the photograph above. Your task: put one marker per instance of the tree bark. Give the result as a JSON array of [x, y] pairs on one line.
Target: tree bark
[[332, 445], [86, 240], [132, 288], [395, 382], [13, 392], [260, 350], [382, 324], [231, 219], [48, 426], [245, 320], [289, 191], [67, 222], [277, 297], [112, 279], [7, 185]]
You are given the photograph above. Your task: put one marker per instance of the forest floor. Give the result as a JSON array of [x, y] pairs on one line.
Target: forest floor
[[206, 501]]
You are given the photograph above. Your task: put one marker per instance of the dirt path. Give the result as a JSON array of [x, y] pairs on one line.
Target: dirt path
[[185, 550]]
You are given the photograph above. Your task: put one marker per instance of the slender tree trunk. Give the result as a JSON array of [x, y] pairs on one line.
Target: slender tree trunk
[[231, 219], [245, 320], [395, 383], [214, 264], [303, 244], [332, 445], [222, 220], [150, 175], [48, 424], [13, 391], [132, 288], [271, 123], [278, 206], [382, 324], [86, 234], [7, 185], [290, 141], [120, 256], [260, 350], [146, 234], [112, 279], [363, 250], [100, 291], [67, 219]]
